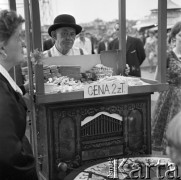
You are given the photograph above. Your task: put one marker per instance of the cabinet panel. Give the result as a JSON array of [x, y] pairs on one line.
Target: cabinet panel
[[78, 132]]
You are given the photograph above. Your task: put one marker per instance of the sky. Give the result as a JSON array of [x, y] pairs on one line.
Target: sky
[[104, 9], [87, 11]]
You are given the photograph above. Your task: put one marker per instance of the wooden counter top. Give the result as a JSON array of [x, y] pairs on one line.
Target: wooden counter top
[[154, 86]]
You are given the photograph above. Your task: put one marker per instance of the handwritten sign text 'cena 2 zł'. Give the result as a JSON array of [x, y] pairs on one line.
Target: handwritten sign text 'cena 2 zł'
[[105, 88]]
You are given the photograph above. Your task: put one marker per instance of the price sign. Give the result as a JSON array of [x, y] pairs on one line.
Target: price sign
[[105, 89]]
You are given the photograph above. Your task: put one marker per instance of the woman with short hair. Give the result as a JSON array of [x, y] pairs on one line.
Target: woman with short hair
[[16, 158], [169, 101]]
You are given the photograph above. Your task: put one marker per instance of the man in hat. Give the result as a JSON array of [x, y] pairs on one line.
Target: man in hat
[[64, 31]]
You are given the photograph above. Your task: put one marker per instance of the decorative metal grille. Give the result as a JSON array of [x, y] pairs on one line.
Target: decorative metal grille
[[102, 125]]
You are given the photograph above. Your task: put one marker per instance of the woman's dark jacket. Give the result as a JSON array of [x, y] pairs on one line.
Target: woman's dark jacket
[[16, 158]]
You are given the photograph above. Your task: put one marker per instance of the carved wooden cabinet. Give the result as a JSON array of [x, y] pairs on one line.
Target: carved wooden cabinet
[[80, 131]]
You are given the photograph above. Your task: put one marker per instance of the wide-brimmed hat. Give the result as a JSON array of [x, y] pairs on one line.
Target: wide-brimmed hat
[[64, 20]]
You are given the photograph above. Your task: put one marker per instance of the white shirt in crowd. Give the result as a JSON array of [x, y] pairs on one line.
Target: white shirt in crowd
[[87, 46]]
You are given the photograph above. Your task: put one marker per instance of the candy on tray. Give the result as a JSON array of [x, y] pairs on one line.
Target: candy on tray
[[55, 82]]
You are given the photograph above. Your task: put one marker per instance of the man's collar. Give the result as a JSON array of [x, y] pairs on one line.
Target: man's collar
[[60, 52]]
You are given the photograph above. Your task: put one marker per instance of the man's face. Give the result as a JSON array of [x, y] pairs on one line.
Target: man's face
[[82, 35], [116, 27], [65, 38]]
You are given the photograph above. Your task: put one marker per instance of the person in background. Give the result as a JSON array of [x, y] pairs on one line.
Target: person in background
[[93, 41], [135, 53], [64, 31], [114, 41], [169, 101], [151, 49], [103, 45], [16, 158], [48, 43], [142, 37], [170, 42], [173, 136], [83, 42]]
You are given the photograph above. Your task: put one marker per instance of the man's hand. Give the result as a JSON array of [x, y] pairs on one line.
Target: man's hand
[[127, 70]]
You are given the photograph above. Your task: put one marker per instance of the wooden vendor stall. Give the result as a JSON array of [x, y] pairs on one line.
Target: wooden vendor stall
[[72, 128], [76, 127]]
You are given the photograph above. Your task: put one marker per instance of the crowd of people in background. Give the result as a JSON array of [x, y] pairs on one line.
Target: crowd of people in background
[[94, 44]]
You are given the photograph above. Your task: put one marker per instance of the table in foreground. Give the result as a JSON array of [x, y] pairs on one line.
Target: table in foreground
[[143, 167]]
